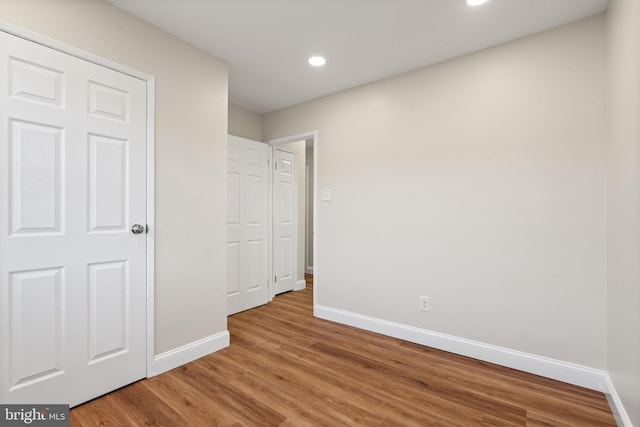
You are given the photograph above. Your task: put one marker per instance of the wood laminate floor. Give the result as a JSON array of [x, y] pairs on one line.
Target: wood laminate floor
[[286, 368]]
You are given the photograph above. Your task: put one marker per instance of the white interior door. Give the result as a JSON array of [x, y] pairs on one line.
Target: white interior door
[[247, 224], [72, 185], [284, 220]]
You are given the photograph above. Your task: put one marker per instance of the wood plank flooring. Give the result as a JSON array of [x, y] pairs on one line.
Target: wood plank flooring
[[286, 368]]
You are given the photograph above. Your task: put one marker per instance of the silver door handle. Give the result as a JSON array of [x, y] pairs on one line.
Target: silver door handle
[[137, 228]]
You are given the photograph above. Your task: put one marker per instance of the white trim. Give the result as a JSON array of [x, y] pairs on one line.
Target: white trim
[[150, 81], [151, 222], [293, 138], [71, 50], [300, 285], [188, 353], [308, 270], [550, 368], [621, 415], [312, 135], [271, 282]]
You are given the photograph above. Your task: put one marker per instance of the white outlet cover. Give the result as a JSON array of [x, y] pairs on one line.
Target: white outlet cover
[[424, 304], [325, 195]]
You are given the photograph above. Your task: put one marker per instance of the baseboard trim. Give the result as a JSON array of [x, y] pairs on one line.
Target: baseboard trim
[[619, 412], [187, 353], [300, 285], [308, 270], [582, 376]]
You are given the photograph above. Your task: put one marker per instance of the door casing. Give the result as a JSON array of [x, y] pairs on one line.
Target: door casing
[[150, 187]]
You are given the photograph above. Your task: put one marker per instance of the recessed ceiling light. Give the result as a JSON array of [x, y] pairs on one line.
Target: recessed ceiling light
[[317, 61], [476, 2]]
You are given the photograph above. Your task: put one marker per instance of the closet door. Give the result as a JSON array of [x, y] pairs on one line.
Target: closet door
[[247, 224]]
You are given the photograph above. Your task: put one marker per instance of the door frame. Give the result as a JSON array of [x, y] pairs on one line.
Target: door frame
[[313, 136], [150, 187]]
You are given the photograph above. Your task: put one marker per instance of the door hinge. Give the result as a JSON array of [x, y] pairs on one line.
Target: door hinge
[[275, 165], [275, 279]]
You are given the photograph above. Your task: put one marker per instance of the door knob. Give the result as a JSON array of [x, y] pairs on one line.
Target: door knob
[[137, 228]]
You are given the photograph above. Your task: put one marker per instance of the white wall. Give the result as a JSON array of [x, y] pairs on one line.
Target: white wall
[[245, 123], [479, 182], [191, 134], [623, 59]]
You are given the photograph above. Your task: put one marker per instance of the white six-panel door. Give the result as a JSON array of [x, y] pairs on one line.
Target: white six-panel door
[[284, 220], [72, 184], [247, 224]]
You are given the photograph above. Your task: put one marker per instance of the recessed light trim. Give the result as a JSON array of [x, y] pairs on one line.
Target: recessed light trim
[[476, 2], [317, 61]]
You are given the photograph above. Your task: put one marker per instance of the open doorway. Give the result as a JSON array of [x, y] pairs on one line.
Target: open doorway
[[271, 199], [305, 146]]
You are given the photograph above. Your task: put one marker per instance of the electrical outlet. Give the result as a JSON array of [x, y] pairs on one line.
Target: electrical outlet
[[424, 303]]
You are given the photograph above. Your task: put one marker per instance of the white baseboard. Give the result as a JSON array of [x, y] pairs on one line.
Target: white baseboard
[[187, 353], [550, 368], [300, 285], [622, 418], [308, 270]]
